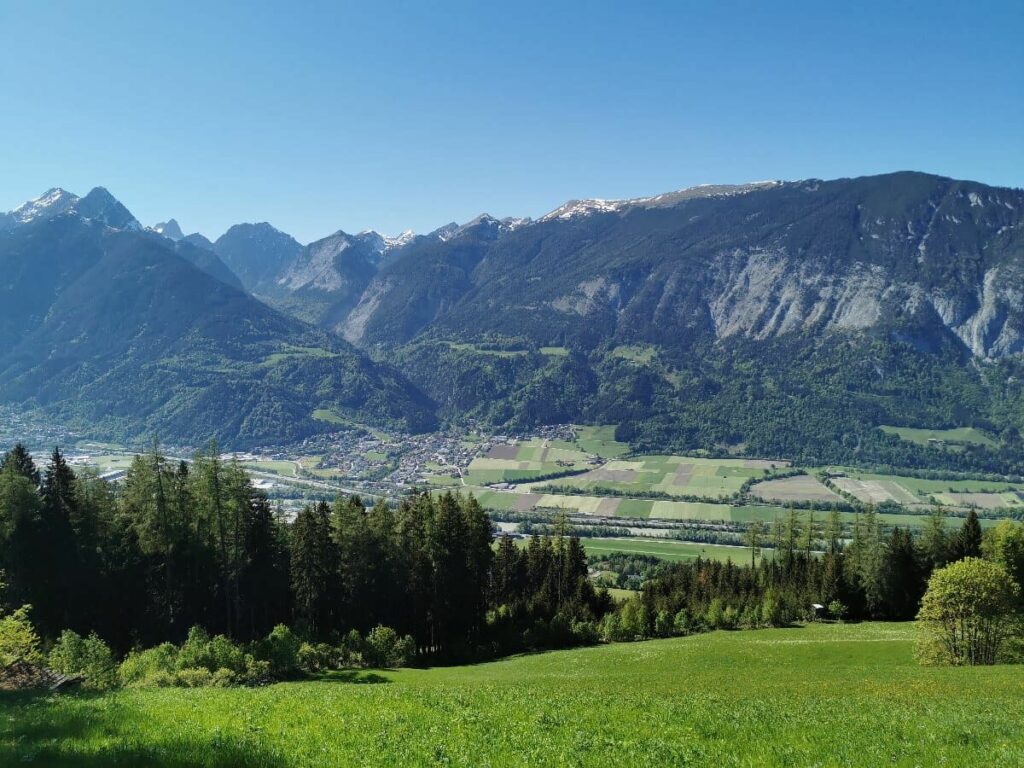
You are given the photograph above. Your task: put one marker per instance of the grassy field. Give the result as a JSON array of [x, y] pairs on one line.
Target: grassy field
[[968, 435], [828, 695], [286, 468], [600, 441], [674, 551]]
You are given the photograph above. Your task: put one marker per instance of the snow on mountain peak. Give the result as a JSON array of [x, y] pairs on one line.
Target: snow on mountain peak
[[385, 243], [53, 202], [591, 206]]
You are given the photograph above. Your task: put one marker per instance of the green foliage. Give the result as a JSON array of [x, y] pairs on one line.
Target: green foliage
[[280, 649], [969, 610], [89, 656], [18, 638], [384, 648]]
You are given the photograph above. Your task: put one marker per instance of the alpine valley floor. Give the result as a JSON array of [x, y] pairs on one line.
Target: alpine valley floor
[[844, 695]]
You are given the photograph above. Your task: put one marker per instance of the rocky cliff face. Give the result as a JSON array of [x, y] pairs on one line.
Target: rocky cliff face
[[906, 254]]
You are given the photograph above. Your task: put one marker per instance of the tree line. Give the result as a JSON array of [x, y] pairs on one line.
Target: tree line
[[186, 544]]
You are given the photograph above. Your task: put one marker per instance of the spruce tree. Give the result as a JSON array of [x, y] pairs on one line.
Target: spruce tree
[[21, 461]]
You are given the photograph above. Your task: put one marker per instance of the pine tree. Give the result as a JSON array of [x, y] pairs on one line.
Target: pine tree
[[934, 540], [968, 540], [314, 567], [60, 577], [20, 460]]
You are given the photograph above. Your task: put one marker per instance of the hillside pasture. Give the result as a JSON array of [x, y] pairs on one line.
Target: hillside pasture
[[955, 436], [822, 694], [600, 441]]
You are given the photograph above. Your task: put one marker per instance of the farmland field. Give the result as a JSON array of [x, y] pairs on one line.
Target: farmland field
[[277, 467], [848, 695], [667, 549], [524, 461], [797, 488], [874, 488], [673, 475]]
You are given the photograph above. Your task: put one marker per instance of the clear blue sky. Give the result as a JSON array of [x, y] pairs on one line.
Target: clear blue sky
[[320, 116]]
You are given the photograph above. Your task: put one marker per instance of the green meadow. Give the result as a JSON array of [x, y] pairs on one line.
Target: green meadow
[[669, 549], [824, 695], [968, 435]]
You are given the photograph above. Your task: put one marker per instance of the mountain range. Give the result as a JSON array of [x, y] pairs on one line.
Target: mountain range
[[784, 318]]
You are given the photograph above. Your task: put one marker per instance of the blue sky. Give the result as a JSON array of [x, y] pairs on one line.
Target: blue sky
[[320, 116]]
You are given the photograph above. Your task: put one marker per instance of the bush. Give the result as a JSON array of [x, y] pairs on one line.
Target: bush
[[18, 638], [152, 667], [200, 650], [585, 632], [968, 612], [837, 610], [319, 657], [281, 650], [681, 624], [202, 660], [194, 677], [384, 648], [87, 656]]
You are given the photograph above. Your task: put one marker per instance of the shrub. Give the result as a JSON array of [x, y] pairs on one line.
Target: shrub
[[281, 650], [18, 638], [151, 667], [663, 624], [210, 653], [319, 657], [87, 656], [194, 677], [585, 632], [384, 648], [714, 617], [837, 610], [681, 623], [967, 613]]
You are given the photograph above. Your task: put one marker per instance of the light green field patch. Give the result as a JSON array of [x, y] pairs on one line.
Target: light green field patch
[[554, 351], [587, 505], [292, 352], [667, 549], [620, 466], [286, 468], [441, 480], [636, 353], [959, 435], [635, 508], [476, 349], [600, 440], [479, 464]]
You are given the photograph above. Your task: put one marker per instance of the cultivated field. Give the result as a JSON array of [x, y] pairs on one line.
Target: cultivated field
[[525, 461], [830, 695], [674, 475], [797, 488], [911, 491]]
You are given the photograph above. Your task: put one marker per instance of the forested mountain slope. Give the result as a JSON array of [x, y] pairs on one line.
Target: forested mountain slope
[[777, 316], [120, 331]]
